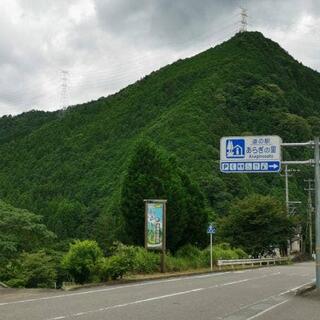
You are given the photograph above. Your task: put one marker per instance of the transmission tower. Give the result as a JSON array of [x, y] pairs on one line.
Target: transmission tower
[[64, 89], [244, 20]]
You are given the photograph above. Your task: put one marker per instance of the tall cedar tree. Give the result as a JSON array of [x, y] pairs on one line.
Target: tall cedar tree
[[152, 174]]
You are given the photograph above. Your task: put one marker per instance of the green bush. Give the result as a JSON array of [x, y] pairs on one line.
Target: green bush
[[119, 264], [174, 264], [193, 256], [33, 270], [114, 267], [146, 261], [223, 251], [241, 254], [188, 251], [82, 259]]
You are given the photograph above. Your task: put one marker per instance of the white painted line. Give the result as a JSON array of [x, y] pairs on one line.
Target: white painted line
[[159, 297], [235, 282], [296, 288], [128, 304], [267, 310], [146, 283]]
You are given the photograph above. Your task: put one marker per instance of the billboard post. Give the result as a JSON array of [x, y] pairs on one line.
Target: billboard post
[[155, 227]]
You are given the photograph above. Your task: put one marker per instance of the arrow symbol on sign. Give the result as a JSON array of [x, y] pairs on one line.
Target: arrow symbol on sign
[[273, 166]]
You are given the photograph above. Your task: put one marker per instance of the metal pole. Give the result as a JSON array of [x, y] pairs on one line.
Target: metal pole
[[317, 207], [297, 144], [287, 203], [287, 188], [211, 262], [164, 242], [310, 210]]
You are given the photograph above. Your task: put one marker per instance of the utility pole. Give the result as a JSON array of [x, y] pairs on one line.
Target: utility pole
[[287, 203], [287, 187], [290, 209], [316, 163], [310, 216], [317, 206], [244, 20]]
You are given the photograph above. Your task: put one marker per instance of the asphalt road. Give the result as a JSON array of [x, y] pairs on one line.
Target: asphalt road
[[261, 294]]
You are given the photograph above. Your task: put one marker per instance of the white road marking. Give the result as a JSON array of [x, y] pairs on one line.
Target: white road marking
[[128, 304], [267, 310], [234, 282], [160, 297], [147, 283], [121, 287], [266, 299], [296, 288]]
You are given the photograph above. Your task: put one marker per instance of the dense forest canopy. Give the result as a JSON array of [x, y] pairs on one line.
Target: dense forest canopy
[[72, 168]]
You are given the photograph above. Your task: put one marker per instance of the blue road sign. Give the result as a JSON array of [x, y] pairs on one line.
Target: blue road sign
[[211, 229], [235, 148], [250, 167], [251, 154]]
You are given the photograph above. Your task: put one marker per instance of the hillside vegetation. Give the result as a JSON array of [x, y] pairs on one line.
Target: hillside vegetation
[[73, 169]]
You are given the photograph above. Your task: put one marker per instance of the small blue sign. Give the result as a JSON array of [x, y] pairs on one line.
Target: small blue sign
[[235, 148], [211, 229]]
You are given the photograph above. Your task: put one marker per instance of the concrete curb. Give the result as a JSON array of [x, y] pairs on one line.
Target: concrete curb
[[159, 277], [305, 289], [128, 281]]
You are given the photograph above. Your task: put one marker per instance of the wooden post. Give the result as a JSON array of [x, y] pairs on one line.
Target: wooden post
[[163, 254], [145, 224]]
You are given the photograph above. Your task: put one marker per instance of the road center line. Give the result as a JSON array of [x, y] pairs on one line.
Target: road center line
[[113, 288], [127, 304], [126, 287], [157, 298]]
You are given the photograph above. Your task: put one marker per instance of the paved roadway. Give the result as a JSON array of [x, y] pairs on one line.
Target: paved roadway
[[261, 294]]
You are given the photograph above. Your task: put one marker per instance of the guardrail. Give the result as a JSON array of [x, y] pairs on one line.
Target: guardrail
[[252, 262]]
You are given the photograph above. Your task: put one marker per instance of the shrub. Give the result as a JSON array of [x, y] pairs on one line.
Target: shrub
[[82, 259], [114, 267], [192, 255], [119, 264], [223, 251], [176, 264], [33, 270], [188, 251], [139, 260], [241, 254], [146, 261]]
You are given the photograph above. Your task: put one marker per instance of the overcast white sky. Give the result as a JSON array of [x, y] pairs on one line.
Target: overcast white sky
[[108, 44]]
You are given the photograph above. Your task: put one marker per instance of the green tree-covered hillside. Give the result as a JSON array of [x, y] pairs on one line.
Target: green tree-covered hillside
[[71, 168]]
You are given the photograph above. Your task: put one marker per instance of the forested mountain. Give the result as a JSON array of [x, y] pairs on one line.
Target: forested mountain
[[70, 167]]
